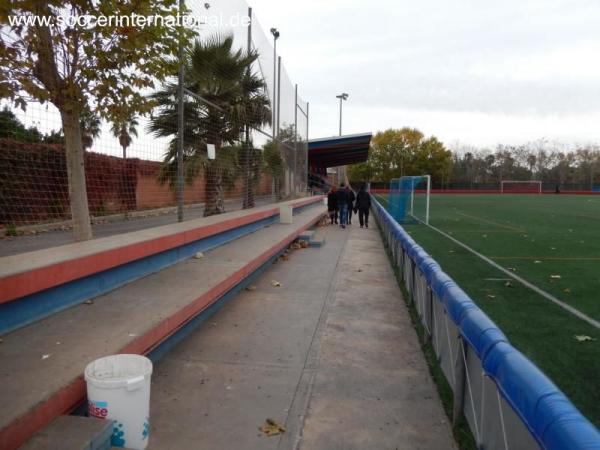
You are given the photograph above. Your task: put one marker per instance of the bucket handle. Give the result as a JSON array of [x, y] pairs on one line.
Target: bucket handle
[[135, 383]]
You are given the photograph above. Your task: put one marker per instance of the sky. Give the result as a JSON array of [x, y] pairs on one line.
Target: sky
[[470, 72]]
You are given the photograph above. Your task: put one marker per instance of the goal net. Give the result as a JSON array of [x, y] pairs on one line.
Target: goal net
[[520, 187], [408, 199]]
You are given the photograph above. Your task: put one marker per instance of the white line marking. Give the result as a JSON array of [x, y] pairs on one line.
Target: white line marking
[[524, 282]]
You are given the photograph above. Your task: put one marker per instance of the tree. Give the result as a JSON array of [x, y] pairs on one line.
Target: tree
[[216, 113], [12, 128], [90, 125], [398, 152], [105, 68], [252, 111], [124, 130]]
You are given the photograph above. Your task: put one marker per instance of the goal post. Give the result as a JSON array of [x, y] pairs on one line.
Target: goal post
[[520, 187], [409, 199]]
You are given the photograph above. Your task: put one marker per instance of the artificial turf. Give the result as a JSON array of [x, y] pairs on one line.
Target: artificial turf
[[537, 236]]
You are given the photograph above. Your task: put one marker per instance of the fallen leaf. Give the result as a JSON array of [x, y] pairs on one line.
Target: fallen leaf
[[583, 338], [272, 428], [275, 283], [285, 257], [89, 302]]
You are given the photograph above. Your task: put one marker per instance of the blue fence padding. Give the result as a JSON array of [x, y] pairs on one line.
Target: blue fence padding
[[429, 267], [479, 331], [548, 414]]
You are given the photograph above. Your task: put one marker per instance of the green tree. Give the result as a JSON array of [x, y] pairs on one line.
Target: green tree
[[124, 130], [91, 127], [217, 113], [12, 128], [252, 111], [273, 164], [71, 66], [406, 151]]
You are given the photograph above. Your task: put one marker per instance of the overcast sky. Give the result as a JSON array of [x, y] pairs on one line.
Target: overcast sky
[[469, 71]]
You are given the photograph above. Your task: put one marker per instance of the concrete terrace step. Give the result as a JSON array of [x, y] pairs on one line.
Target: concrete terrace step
[[73, 433], [41, 365], [37, 284]]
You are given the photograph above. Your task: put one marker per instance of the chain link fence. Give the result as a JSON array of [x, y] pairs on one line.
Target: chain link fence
[[229, 131]]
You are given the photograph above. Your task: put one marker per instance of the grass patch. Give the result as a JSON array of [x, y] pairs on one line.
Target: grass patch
[[536, 236]]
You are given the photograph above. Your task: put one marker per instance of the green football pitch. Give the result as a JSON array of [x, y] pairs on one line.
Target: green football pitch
[[552, 242]]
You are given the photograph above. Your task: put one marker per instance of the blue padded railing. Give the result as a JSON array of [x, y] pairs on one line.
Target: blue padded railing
[[548, 415]]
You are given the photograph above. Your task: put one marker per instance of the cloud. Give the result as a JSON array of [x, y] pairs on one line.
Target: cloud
[[471, 64]]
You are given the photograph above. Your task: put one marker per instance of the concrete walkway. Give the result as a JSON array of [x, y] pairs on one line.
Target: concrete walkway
[[14, 245], [331, 354]]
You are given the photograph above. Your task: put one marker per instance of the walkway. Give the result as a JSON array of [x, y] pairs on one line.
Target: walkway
[[331, 354], [151, 218]]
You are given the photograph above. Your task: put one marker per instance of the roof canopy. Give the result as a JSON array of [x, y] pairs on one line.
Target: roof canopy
[[339, 151]]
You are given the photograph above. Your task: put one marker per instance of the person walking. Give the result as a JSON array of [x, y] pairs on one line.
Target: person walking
[[351, 198], [332, 205], [342, 202], [363, 204]]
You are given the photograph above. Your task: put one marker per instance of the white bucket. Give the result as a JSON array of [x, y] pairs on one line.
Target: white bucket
[[118, 388]]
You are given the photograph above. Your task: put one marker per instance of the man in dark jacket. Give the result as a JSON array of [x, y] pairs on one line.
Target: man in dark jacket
[[363, 203], [342, 201], [332, 205], [351, 198]]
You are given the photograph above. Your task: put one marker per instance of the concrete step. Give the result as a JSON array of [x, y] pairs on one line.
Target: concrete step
[[73, 433], [131, 319]]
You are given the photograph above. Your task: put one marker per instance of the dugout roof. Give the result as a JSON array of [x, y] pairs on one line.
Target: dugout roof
[[338, 151]]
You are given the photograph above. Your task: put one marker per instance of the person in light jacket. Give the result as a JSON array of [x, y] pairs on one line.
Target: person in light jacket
[[342, 201], [363, 204]]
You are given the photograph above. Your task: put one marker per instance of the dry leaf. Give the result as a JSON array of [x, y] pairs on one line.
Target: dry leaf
[[272, 428], [275, 283], [89, 302], [583, 338]]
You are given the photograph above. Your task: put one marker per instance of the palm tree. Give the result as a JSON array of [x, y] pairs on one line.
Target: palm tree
[[90, 127], [124, 130], [226, 99]]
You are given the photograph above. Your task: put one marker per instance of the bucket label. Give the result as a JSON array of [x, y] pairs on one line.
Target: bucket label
[[98, 409]]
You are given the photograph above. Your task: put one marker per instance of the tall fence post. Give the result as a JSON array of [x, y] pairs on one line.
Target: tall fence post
[[295, 138], [306, 156], [180, 124]]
